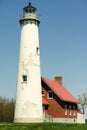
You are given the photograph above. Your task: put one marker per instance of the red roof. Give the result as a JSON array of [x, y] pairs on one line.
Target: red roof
[[60, 90], [44, 101]]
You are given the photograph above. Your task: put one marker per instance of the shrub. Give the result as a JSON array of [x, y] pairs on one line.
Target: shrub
[[6, 110]]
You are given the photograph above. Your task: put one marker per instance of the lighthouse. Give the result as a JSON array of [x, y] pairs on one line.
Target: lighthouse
[[28, 106]]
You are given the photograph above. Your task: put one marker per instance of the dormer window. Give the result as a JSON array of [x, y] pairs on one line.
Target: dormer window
[[50, 95]]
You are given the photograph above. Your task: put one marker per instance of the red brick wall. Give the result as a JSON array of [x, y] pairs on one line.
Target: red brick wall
[[56, 107]]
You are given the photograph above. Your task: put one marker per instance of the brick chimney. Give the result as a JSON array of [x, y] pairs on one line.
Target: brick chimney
[[58, 79]]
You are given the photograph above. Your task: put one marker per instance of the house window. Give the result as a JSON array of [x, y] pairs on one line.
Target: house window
[[74, 113], [43, 93], [50, 94], [37, 51], [24, 78], [70, 110], [66, 110]]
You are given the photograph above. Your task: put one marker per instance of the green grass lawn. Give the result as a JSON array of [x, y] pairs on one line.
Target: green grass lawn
[[42, 126]]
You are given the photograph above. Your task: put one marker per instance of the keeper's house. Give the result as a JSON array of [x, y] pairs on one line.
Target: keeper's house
[[59, 105]]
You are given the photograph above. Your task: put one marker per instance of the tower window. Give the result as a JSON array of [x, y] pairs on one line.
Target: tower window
[[24, 78], [50, 94], [37, 51]]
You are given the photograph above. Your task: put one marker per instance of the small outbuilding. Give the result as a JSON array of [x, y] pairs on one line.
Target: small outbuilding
[[59, 105]]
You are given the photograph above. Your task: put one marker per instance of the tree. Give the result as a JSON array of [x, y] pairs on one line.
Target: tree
[[83, 101], [6, 109]]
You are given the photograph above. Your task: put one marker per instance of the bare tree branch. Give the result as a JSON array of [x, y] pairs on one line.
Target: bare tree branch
[[83, 101]]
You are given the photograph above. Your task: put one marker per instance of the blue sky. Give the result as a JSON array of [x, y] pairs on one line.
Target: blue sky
[[63, 42]]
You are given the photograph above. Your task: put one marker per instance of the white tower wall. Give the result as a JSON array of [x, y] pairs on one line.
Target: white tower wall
[[28, 106]]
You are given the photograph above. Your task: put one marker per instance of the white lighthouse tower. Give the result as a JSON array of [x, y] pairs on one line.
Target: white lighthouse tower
[[28, 107]]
